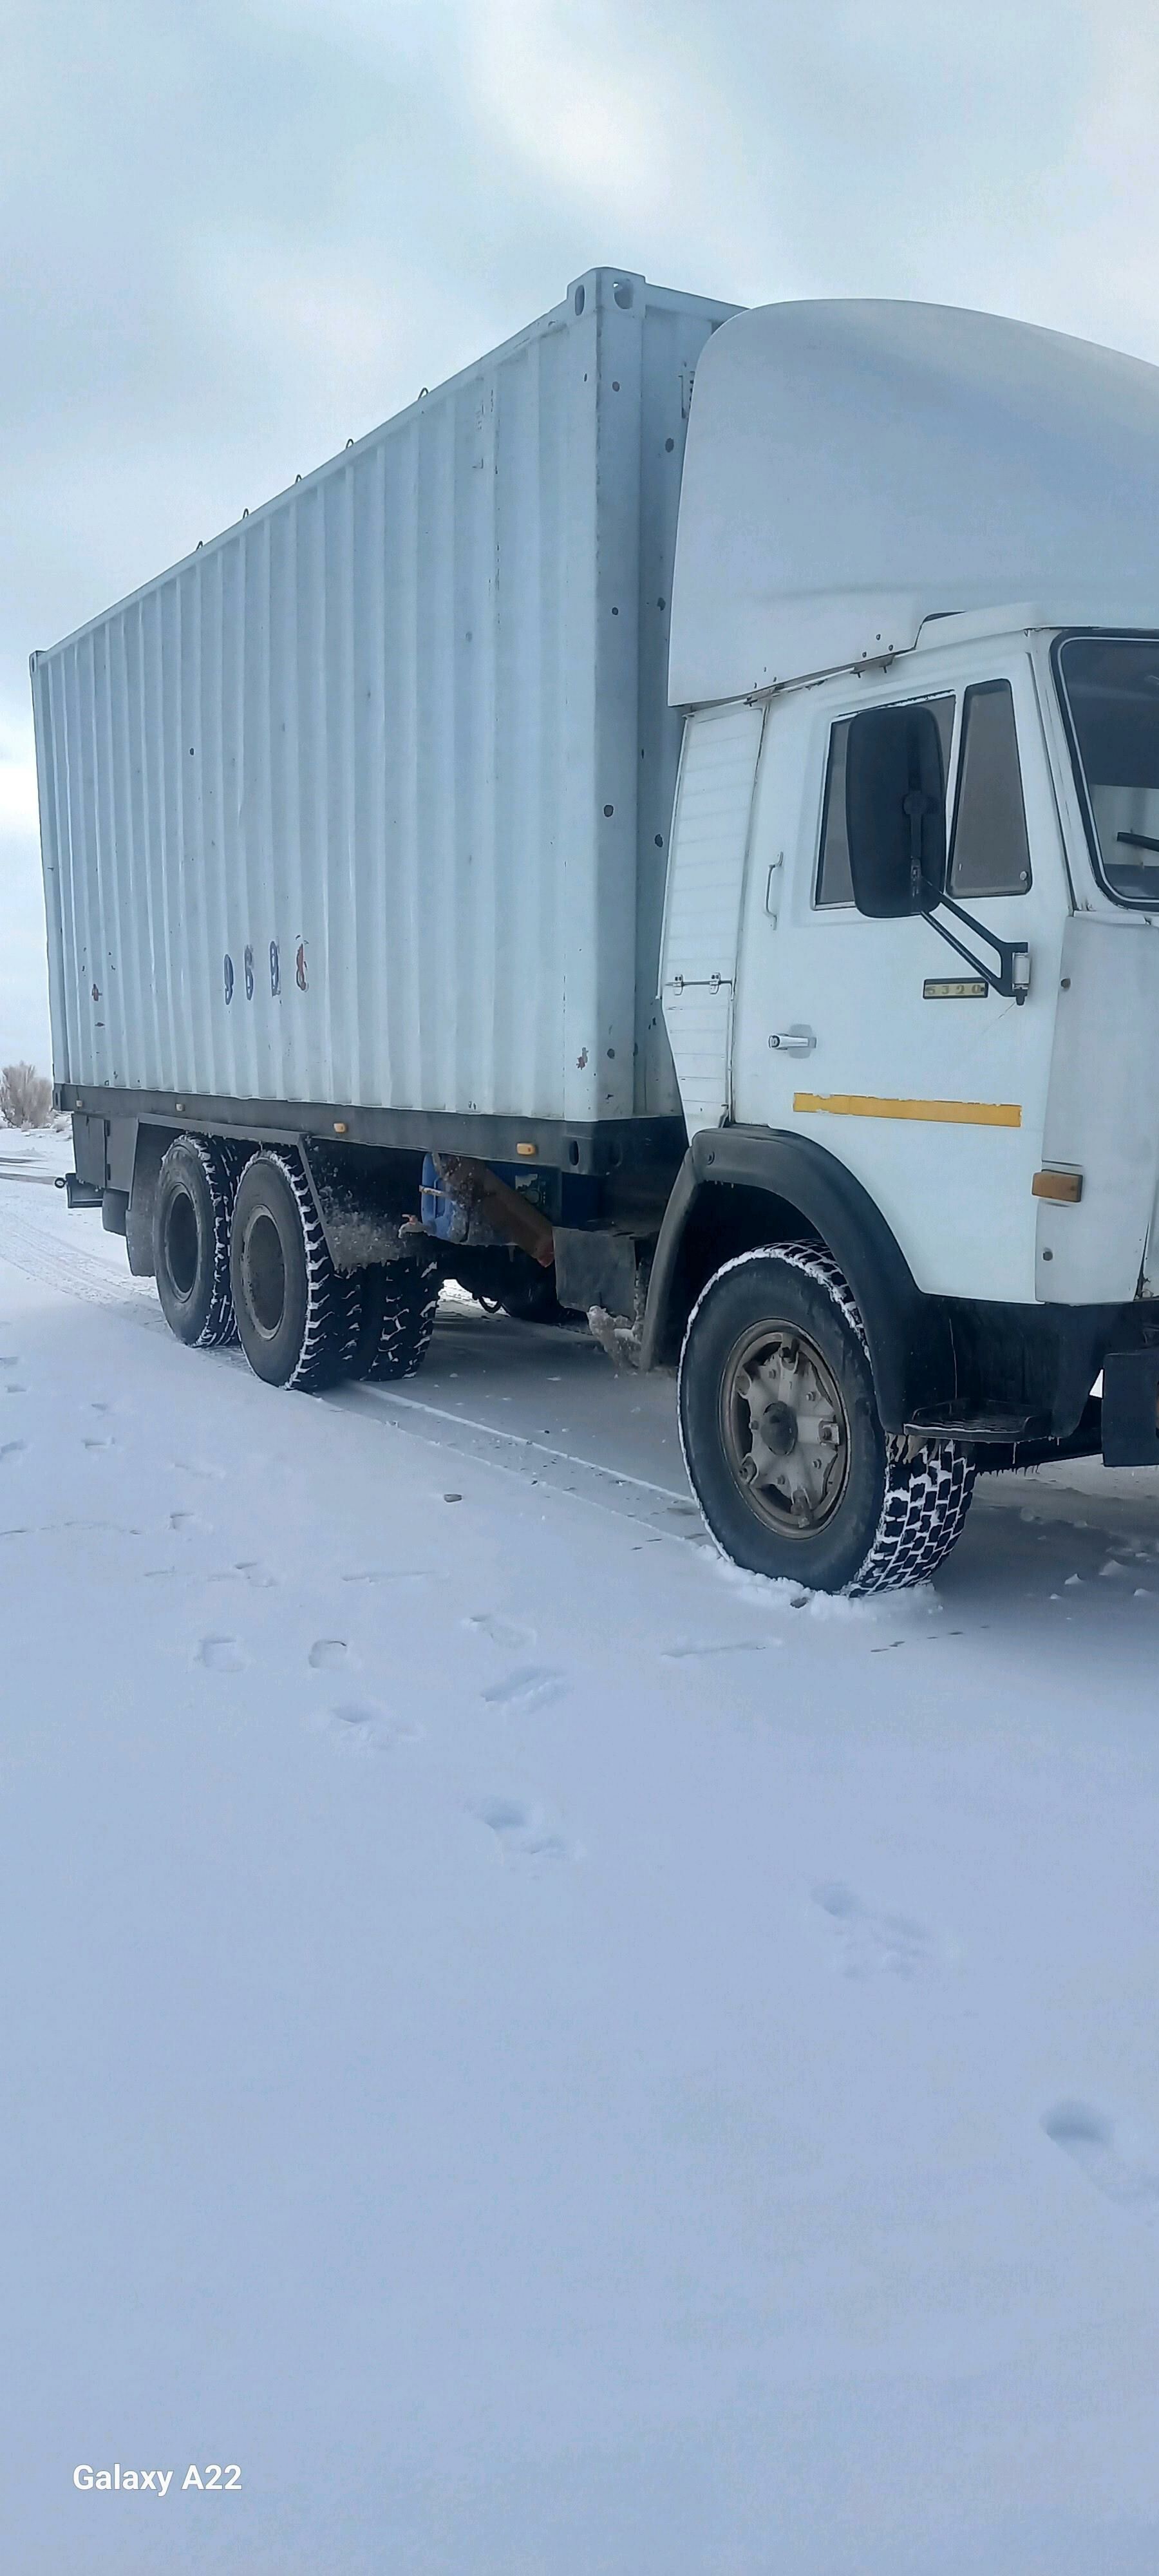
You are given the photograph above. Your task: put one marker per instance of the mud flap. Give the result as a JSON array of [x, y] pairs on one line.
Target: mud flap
[[1131, 1409]]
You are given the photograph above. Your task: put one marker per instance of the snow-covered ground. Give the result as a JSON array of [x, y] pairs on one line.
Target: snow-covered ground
[[556, 2059]]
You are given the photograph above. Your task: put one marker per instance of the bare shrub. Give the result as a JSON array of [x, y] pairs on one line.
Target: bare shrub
[[25, 1097]]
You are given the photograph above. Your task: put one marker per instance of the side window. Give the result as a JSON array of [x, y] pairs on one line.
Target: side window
[[834, 882], [990, 852]]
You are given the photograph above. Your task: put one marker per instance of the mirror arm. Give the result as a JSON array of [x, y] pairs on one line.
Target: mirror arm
[[1011, 979]]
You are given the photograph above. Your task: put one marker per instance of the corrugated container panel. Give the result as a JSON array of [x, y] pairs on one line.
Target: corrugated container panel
[[367, 801]]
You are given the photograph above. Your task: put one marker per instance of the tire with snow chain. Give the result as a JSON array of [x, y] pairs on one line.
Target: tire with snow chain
[[782, 1439], [293, 1312], [191, 1221], [400, 1300]]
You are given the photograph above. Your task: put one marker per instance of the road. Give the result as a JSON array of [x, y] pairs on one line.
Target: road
[[535, 1401], [545, 2052]]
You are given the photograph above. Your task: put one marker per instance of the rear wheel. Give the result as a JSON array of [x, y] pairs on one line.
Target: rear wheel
[[293, 1312], [191, 1220], [782, 1440], [400, 1300]]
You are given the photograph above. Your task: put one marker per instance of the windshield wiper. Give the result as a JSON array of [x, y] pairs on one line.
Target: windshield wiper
[[1137, 840]]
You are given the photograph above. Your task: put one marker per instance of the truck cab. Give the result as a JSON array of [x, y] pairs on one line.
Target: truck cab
[[911, 943], [949, 1099]]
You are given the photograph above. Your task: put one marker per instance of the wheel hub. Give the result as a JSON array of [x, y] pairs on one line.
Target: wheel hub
[[785, 1430], [264, 1274], [778, 1426], [181, 1244]]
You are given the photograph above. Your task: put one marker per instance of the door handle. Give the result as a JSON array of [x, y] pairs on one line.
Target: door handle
[[798, 1041]]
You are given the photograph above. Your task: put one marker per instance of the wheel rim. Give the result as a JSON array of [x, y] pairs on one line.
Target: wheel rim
[[784, 1429], [264, 1274], [181, 1246]]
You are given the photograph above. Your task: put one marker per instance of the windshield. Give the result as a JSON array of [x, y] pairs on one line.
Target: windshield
[[1110, 689]]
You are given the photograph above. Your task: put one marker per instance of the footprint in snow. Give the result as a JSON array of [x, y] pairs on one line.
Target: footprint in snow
[[328, 1654], [502, 1632], [362, 1726], [185, 1521], [222, 1655], [245, 1569], [13, 1389], [715, 1646], [391, 1574], [869, 1943], [102, 1443], [9, 1359], [12, 1448], [523, 1831], [532, 1686], [1119, 2165]]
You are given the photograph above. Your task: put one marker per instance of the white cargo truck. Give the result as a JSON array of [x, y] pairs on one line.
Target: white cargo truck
[[688, 857]]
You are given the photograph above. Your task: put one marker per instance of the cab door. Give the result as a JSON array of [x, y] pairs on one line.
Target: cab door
[[873, 1037]]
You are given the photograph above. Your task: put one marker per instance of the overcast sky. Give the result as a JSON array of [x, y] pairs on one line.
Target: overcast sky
[[237, 232]]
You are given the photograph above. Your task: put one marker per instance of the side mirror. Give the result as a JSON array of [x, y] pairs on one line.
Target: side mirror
[[895, 811]]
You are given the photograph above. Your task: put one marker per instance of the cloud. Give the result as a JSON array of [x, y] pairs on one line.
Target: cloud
[[234, 233], [556, 87], [23, 964], [17, 792]]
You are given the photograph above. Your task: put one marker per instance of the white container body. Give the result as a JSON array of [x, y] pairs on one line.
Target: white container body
[[368, 800]]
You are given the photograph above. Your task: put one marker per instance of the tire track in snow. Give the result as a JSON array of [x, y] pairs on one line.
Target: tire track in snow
[[36, 1251], [666, 1513]]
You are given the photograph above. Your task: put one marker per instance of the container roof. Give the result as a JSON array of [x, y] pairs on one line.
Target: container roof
[[854, 468]]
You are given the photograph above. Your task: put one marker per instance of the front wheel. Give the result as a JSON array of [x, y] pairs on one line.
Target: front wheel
[[782, 1440]]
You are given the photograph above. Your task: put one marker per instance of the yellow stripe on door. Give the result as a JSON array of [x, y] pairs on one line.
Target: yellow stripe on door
[[948, 1113]]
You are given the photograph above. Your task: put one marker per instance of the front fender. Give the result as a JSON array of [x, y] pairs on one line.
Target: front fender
[[910, 1349]]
